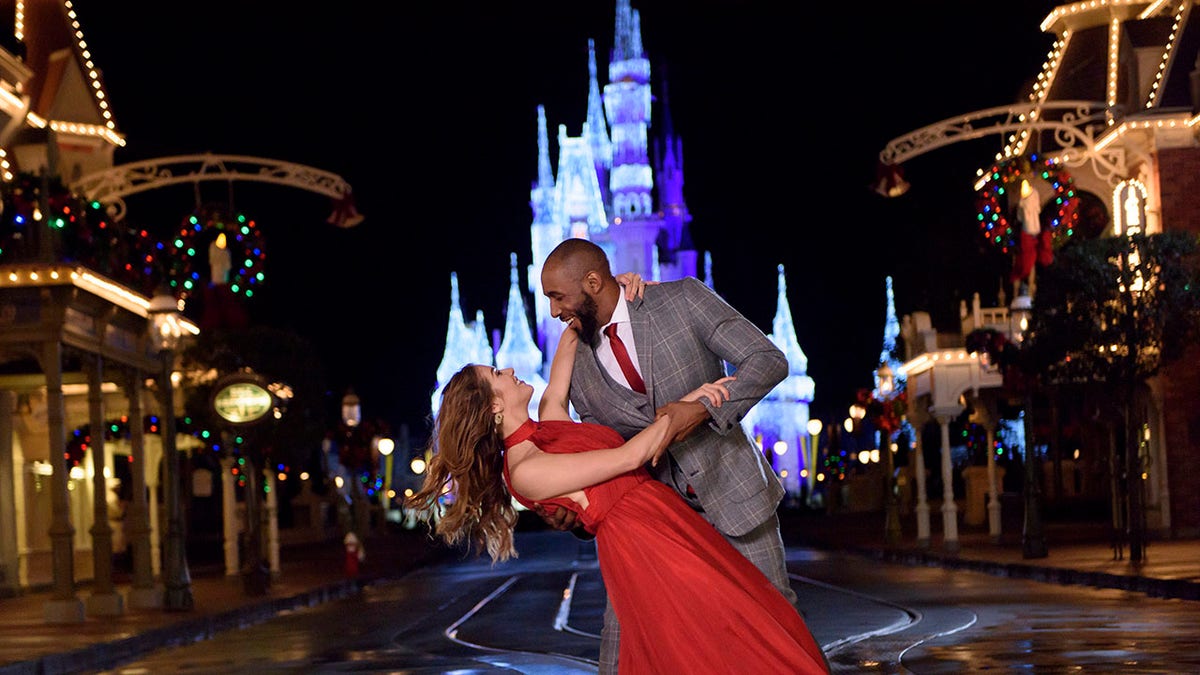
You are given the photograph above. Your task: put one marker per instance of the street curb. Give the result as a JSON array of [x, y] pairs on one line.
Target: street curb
[[108, 655], [1179, 589], [111, 654]]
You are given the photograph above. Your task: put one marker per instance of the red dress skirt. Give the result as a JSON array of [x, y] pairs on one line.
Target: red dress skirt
[[686, 599]]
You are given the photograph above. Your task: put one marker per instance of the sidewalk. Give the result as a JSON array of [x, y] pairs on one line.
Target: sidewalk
[[1076, 553], [313, 574], [309, 574]]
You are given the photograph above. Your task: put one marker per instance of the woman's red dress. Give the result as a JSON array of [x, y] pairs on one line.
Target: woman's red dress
[[687, 601]]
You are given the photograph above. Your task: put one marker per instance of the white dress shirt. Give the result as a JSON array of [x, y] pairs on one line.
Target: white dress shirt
[[605, 354]]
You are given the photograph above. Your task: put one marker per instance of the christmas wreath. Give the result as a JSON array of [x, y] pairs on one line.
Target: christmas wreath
[[998, 196], [199, 230]]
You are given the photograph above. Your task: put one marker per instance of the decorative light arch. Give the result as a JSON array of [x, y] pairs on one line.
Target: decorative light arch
[[110, 186]]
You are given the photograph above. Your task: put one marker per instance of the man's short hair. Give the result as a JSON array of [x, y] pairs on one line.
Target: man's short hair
[[578, 257]]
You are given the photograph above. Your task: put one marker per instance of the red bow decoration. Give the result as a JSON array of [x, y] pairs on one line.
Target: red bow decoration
[[345, 214]]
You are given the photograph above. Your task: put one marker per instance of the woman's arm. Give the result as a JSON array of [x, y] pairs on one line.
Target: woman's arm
[[541, 475], [554, 403]]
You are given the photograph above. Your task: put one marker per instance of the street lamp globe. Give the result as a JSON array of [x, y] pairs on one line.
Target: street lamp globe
[[386, 445], [165, 320], [887, 381], [417, 465], [814, 427]]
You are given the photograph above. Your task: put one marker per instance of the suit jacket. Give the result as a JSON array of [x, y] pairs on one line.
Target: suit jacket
[[684, 334]]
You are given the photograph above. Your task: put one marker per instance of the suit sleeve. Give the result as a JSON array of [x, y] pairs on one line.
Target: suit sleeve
[[757, 363]]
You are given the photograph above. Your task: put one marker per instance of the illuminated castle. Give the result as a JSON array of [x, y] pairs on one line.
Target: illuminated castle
[[607, 190]]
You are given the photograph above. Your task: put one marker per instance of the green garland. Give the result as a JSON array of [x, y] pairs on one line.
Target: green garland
[[85, 234]]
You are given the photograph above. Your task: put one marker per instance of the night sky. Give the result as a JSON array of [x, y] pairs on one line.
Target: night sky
[[430, 112]]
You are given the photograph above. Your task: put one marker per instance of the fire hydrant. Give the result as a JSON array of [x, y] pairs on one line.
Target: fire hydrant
[[355, 554]]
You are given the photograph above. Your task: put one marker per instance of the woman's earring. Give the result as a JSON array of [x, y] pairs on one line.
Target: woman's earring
[[499, 419]]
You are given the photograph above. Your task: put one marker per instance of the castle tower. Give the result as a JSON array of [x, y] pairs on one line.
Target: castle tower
[[891, 330], [546, 232], [780, 420], [595, 129], [463, 344], [677, 254], [633, 231]]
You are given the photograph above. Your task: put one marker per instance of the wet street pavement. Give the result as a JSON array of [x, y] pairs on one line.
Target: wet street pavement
[[542, 614], [418, 608]]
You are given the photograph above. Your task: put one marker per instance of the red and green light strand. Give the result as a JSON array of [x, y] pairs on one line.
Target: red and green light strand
[[126, 254]]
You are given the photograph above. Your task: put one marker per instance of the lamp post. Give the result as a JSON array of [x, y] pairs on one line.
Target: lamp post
[[351, 421], [1033, 539], [891, 502], [351, 410], [166, 330], [386, 447], [814, 436]]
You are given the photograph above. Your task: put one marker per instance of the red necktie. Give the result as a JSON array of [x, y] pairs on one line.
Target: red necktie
[[618, 347]]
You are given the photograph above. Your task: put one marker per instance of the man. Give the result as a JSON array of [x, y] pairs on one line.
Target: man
[[677, 336]]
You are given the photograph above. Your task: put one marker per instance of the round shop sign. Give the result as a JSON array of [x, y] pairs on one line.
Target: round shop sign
[[242, 399]]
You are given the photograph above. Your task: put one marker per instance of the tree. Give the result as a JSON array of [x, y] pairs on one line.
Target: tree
[[292, 440], [1021, 380], [1113, 312]]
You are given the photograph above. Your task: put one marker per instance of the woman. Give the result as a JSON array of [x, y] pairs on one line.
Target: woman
[[686, 599]]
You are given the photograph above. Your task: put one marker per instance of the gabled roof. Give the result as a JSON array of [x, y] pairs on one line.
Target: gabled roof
[[1131, 59], [65, 86]]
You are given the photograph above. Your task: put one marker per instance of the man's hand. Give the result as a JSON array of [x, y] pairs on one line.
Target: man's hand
[[557, 517], [685, 417]]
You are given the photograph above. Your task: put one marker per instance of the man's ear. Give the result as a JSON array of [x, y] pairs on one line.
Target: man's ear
[[592, 283]]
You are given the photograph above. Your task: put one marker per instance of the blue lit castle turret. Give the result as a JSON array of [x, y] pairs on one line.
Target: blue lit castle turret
[[517, 350], [676, 253], [634, 228], [779, 423], [891, 330], [465, 343]]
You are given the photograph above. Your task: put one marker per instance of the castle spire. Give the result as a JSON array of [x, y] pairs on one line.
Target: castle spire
[[627, 37], [784, 333], [634, 225], [541, 197], [676, 237], [891, 326], [891, 330], [518, 350], [460, 343], [595, 129], [781, 417]]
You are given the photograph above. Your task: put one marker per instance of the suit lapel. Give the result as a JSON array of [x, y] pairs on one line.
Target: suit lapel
[[639, 322], [591, 376]]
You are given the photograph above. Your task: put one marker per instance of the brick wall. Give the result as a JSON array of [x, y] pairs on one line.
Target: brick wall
[[1179, 188]]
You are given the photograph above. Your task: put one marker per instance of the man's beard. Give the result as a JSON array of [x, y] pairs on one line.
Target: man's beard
[[588, 324]]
